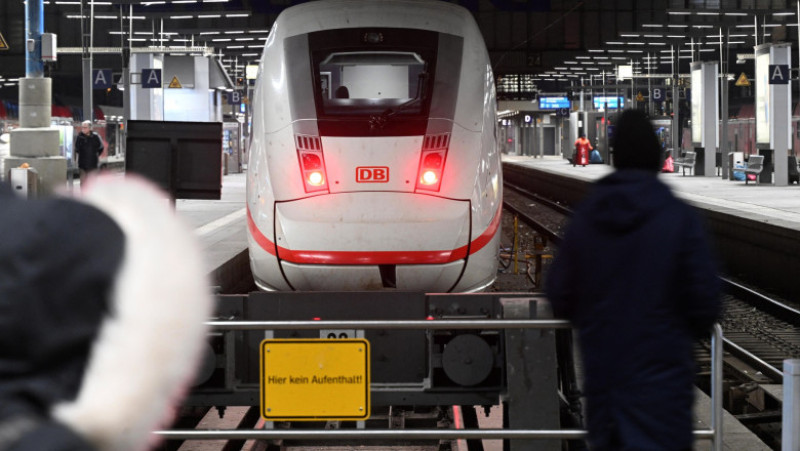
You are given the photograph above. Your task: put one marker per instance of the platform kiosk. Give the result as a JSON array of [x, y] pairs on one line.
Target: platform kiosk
[[773, 110], [705, 115]]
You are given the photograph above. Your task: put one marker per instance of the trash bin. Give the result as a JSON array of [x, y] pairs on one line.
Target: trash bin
[[24, 181]]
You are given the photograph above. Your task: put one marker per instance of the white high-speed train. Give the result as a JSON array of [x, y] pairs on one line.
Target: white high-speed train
[[374, 161]]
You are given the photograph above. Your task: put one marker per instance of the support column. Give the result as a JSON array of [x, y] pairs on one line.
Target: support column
[[705, 116], [35, 142], [790, 439], [532, 399]]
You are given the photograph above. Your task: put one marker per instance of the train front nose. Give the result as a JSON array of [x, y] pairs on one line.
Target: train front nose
[[372, 240]]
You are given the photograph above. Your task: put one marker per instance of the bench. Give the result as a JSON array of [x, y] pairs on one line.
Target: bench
[[687, 161], [755, 164]]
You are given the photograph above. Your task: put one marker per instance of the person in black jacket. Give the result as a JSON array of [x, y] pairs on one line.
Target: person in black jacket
[[636, 276], [88, 147]]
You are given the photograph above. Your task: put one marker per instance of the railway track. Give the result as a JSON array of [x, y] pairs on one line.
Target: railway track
[[754, 323]]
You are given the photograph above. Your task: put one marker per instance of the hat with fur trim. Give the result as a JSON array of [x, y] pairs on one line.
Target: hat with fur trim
[[102, 307]]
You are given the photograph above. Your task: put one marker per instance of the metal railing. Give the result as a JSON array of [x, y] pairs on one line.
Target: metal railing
[[714, 433]]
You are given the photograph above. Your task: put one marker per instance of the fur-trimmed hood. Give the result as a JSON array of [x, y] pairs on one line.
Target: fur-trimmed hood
[[102, 305]]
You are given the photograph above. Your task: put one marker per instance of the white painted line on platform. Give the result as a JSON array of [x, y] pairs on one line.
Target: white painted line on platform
[[221, 222]]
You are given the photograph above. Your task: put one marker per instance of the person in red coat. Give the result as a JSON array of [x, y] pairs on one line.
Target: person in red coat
[[582, 149]]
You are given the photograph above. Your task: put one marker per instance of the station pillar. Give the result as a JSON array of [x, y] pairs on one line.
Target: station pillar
[[774, 111], [705, 116], [35, 142]]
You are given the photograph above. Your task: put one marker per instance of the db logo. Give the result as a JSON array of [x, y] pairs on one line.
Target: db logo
[[372, 174]]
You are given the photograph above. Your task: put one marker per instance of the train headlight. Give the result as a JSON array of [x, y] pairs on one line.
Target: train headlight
[[429, 178], [315, 178]]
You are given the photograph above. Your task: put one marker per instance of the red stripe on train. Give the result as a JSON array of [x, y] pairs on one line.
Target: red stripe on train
[[374, 257]]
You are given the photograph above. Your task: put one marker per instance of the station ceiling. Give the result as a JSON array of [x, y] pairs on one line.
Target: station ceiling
[[535, 45]]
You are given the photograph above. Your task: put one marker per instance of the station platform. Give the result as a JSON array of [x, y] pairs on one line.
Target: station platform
[[221, 226], [769, 204]]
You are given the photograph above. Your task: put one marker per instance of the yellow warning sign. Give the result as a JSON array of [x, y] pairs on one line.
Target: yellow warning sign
[[175, 83], [3, 43], [742, 80], [315, 379], [639, 97]]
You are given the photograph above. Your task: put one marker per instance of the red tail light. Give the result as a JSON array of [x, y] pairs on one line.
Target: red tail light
[[312, 163], [431, 162]]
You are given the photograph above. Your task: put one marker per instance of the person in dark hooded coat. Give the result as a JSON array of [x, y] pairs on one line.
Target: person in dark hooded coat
[[636, 276]]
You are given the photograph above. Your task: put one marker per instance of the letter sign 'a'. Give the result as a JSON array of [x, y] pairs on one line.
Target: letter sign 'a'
[[778, 74], [372, 174], [101, 78], [151, 78]]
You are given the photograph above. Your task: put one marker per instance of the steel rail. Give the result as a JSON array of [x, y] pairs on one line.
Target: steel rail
[[388, 434], [394, 324]]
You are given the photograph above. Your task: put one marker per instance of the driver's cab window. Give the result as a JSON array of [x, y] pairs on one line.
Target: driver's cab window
[[360, 81]]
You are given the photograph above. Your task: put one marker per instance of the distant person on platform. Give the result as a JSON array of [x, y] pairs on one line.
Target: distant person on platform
[[582, 148], [88, 147], [636, 276]]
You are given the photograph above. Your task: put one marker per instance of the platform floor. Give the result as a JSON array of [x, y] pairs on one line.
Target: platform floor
[[221, 225], [777, 205]]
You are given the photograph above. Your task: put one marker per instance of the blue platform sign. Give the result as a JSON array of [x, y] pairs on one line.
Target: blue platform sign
[[612, 103], [779, 74], [101, 79], [151, 78], [553, 103]]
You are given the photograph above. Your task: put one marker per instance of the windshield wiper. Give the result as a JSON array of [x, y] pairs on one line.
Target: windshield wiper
[[378, 121]]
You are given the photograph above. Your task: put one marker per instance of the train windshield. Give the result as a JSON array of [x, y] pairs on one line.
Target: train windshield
[[373, 76], [365, 82]]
